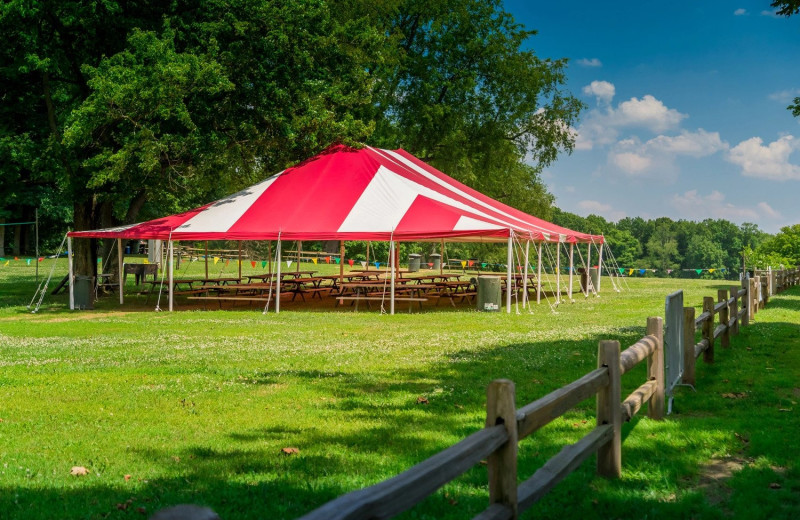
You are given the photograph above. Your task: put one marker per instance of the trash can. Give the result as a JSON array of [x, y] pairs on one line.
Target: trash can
[[489, 294], [83, 293], [413, 262], [584, 278], [437, 260], [594, 274]]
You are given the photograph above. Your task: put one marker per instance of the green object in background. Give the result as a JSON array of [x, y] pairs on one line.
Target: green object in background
[[489, 294]]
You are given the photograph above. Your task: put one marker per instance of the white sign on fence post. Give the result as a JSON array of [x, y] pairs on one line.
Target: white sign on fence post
[[673, 344]]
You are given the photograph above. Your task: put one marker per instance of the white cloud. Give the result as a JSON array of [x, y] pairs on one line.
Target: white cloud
[[630, 162], [740, 12], [598, 208], [771, 14], [601, 126], [694, 144], [692, 205], [785, 96], [594, 62], [602, 90], [647, 112], [766, 162]]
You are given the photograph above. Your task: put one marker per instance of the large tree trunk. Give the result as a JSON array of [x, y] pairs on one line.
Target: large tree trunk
[[84, 249], [17, 240]]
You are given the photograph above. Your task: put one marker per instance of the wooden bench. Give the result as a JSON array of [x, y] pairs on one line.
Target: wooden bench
[[219, 299]]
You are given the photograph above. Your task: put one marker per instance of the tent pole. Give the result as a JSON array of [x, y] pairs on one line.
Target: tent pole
[[269, 256], [239, 242], [170, 264], [539, 275], [299, 247], [508, 272], [206, 259], [571, 268], [120, 263], [588, 269], [600, 266], [368, 255], [441, 258], [71, 275], [525, 276], [341, 262], [391, 255], [278, 277], [558, 273]]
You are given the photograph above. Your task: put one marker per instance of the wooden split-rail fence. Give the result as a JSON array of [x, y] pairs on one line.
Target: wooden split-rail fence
[[506, 425]]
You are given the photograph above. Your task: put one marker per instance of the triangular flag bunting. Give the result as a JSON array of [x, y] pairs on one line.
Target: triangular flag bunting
[[642, 271], [28, 261], [363, 264], [41, 258], [698, 271], [351, 262], [8, 262], [377, 265], [669, 271], [252, 263], [471, 263], [630, 272], [263, 264], [338, 260], [711, 270], [146, 261], [463, 263], [216, 259], [288, 263], [328, 260], [484, 264], [430, 265], [16, 258], [621, 270], [2, 259], [99, 260], [227, 262], [314, 260]]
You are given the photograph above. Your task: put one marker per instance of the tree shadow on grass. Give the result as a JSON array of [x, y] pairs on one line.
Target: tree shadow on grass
[[248, 477]]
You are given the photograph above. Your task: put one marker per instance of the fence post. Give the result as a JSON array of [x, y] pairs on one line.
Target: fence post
[[753, 296], [724, 316], [688, 346], [655, 368], [765, 294], [708, 329], [609, 456], [734, 290], [502, 464], [746, 302]]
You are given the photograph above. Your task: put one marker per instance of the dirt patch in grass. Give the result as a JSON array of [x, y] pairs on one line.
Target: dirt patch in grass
[[77, 317], [713, 479]]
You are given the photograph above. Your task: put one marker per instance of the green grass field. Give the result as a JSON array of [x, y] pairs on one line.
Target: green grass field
[[196, 406]]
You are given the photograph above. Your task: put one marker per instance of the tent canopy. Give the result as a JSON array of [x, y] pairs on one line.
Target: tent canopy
[[352, 194]]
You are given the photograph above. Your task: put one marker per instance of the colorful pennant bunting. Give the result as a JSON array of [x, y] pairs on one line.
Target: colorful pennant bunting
[[351, 262], [621, 270], [363, 264], [377, 265], [216, 259], [252, 263], [698, 271], [338, 260], [314, 260], [263, 264], [463, 264]]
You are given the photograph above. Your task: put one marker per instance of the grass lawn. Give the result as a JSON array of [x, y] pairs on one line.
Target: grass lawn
[[196, 406]]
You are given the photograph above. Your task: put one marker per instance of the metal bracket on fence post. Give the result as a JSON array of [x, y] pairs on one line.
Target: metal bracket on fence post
[[655, 368], [502, 464], [609, 456]]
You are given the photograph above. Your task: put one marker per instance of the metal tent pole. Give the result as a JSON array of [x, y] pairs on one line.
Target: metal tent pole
[[600, 266], [508, 272], [391, 256], [239, 243], [120, 263], [71, 275], [278, 277], [558, 272], [588, 269], [571, 268], [171, 285], [539, 275], [341, 263], [206, 259], [525, 276]]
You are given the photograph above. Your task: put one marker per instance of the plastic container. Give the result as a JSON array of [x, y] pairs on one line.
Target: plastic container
[[489, 293], [84, 293], [414, 262]]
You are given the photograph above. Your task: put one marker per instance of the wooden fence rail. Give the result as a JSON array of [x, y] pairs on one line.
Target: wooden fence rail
[[506, 425]]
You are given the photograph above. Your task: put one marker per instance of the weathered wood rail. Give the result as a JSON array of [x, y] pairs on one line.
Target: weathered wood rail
[[506, 425]]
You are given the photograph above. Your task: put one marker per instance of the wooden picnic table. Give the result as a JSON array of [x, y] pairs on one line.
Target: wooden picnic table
[[377, 291]]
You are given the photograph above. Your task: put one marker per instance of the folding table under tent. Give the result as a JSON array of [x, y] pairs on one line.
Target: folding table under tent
[[353, 194]]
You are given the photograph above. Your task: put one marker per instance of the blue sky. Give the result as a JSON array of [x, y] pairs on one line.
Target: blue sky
[[686, 112]]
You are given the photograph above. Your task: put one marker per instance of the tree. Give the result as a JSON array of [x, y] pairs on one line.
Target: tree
[[789, 8], [704, 253], [663, 248], [465, 95], [785, 245]]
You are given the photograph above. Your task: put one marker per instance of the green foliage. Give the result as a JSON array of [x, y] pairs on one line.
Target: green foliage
[[783, 247]]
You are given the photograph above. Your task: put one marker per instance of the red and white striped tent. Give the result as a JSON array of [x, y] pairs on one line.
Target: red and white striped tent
[[353, 194]]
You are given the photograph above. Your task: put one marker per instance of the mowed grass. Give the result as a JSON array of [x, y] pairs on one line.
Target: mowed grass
[[196, 406]]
